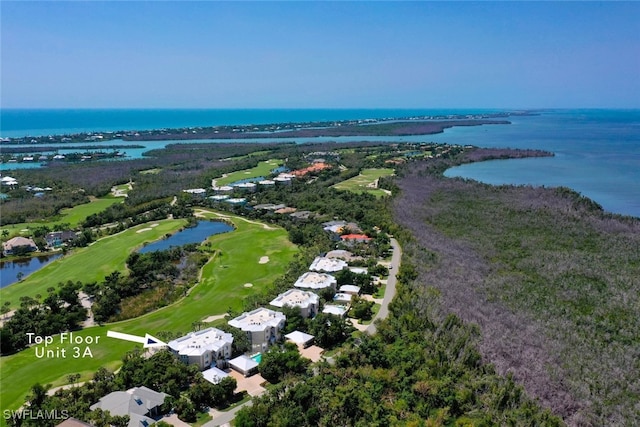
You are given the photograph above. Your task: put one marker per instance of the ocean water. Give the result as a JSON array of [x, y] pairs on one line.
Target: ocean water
[[597, 152], [39, 122]]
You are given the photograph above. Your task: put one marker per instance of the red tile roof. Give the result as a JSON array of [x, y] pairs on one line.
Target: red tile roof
[[314, 168], [355, 237]]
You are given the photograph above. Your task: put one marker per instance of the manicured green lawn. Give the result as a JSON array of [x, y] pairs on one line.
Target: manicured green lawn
[[202, 419], [263, 169], [73, 216], [221, 287], [246, 156], [358, 184], [89, 264]]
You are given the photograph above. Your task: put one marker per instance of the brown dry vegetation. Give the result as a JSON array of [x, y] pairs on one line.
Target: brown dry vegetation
[[378, 129], [551, 280]]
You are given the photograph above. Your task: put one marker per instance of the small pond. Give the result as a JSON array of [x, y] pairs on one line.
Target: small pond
[[10, 270], [195, 234]]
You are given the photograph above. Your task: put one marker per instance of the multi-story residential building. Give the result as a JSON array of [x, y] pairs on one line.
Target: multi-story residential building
[[204, 348], [263, 327]]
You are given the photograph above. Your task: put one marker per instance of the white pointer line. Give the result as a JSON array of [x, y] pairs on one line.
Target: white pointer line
[[147, 341]]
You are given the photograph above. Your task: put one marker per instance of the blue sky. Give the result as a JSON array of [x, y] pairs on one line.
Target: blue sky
[[60, 54]]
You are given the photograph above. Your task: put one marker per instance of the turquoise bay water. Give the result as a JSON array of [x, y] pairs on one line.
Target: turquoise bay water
[[597, 152], [39, 122]]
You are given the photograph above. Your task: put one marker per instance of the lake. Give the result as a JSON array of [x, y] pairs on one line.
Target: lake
[[196, 234], [9, 270]]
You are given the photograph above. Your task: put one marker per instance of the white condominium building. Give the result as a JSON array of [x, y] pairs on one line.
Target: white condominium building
[[313, 280], [307, 301], [328, 265], [262, 326], [204, 347]]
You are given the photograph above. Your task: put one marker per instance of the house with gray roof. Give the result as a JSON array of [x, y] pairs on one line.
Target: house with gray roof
[[57, 238], [141, 404]]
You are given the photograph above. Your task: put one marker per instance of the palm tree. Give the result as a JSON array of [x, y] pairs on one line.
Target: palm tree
[[4, 310]]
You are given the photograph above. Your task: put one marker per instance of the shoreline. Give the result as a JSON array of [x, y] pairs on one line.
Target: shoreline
[[482, 166], [398, 128], [289, 129], [82, 122]]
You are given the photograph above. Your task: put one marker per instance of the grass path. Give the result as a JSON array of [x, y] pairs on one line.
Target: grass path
[[221, 288], [73, 216], [263, 169], [366, 181]]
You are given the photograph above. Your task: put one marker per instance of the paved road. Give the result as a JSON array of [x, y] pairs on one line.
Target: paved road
[[226, 417], [389, 293], [390, 290]]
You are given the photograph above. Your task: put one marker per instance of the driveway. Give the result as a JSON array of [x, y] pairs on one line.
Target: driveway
[[390, 290]]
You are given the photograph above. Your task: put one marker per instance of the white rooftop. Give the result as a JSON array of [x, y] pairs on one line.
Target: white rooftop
[[285, 175], [258, 320], [197, 343], [299, 337], [7, 180], [243, 363], [339, 253], [295, 298], [214, 375], [350, 289], [327, 264], [337, 310], [195, 191], [314, 280], [341, 297], [236, 200]]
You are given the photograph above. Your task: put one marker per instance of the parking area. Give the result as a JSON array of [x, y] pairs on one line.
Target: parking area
[[252, 385], [313, 353]]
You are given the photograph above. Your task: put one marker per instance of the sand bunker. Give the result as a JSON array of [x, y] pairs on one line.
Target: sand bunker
[[142, 230], [154, 225], [248, 285], [212, 318], [263, 260]]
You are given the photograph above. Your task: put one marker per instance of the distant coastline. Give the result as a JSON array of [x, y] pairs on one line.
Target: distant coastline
[[397, 128], [596, 151], [395, 125]]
